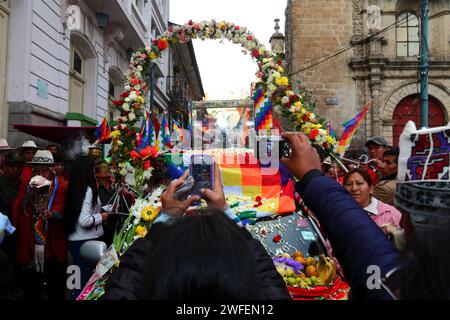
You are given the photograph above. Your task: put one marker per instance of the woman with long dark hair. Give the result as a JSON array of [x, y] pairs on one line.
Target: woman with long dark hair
[[83, 217]]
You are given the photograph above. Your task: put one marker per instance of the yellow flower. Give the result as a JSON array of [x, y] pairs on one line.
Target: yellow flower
[[283, 81], [298, 104], [154, 214], [115, 134], [153, 56], [280, 69], [330, 140], [140, 99], [141, 231]]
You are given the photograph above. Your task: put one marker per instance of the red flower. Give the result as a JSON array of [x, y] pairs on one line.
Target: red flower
[[134, 155], [135, 81], [162, 45], [147, 164], [249, 38], [149, 151], [255, 53], [125, 94], [237, 28], [313, 134], [196, 27], [280, 62], [258, 199], [277, 238], [117, 103], [190, 22]]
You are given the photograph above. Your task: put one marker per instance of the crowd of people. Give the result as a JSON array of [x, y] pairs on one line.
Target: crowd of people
[[205, 254], [52, 206]]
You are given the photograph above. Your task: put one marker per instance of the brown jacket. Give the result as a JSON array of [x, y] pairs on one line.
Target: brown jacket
[[385, 191]]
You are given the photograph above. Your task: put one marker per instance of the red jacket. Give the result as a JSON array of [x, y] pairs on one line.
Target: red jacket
[[55, 245]]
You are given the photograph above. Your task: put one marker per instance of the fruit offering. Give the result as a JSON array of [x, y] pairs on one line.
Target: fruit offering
[[298, 271]]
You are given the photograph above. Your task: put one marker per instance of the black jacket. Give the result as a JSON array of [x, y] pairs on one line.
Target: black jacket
[[127, 283]]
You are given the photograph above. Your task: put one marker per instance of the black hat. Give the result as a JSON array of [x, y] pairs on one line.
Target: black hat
[[14, 157]]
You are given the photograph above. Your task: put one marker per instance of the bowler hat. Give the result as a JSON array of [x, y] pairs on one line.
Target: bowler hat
[[14, 157], [377, 140]]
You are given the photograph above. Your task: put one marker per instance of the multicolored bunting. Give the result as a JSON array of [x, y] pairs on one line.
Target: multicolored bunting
[[351, 127], [147, 136], [263, 111], [103, 131]]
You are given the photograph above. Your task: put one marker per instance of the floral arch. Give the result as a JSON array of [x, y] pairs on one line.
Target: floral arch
[[271, 79]]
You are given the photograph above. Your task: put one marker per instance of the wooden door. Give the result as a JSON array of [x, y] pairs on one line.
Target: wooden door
[[409, 109]]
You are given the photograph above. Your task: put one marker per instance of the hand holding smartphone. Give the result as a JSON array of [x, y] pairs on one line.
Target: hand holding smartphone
[[202, 170]]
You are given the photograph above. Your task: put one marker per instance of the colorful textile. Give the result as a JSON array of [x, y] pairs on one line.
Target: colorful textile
[[103, 131], [165, 133], [242, 124], [351, 127], [147, 136], [253, 190], [263, 111], [424, 154]]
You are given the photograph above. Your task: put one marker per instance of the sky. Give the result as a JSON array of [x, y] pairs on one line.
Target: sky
[[225, 71]]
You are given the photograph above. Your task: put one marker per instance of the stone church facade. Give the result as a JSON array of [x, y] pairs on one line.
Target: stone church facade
[[335, 51]]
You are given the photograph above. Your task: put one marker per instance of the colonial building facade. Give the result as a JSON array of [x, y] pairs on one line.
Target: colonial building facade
[[65, 59], [336, 51]]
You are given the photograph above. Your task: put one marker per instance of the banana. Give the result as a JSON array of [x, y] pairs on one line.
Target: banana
[[326, 270]]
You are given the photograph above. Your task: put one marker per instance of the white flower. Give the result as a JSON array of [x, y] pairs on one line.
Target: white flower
[[127, 87], [148, 173], [131, 116], [126, 107], [140, 68], [127, 99], [285, 100]]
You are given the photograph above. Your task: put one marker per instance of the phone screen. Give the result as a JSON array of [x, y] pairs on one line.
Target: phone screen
[[202, 173]]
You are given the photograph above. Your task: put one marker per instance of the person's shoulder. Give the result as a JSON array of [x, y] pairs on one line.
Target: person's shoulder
[[387, 208]]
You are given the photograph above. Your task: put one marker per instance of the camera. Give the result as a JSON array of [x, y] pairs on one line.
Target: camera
[[284, 147]]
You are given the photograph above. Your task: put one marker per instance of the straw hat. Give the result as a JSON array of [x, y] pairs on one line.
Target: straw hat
[[29, 145], [4, 146], [43, 157]]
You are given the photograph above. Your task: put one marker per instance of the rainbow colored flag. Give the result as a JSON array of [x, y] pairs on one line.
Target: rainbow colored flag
[[351, 127], [331, 131], [177, 128], [263, 111], [103, 131], [165, 133], [251, 189], [147, 135], [242, 124]]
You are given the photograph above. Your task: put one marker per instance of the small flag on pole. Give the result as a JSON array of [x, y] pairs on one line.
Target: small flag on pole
[[351, 127], [103, 131]]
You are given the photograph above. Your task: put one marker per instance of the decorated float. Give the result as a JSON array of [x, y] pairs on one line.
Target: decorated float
[[262, 199]]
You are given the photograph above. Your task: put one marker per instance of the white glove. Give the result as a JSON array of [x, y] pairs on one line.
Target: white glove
[[39, 258]]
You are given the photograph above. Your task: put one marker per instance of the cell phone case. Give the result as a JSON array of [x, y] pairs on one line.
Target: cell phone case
[[185, 189]]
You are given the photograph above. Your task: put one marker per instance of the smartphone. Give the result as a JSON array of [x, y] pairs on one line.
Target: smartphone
[[202, 170]]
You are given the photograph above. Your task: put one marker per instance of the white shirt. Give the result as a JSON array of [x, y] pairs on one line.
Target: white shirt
[[89, 223], [372, 208]]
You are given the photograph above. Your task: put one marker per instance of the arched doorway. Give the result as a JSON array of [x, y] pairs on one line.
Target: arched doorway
[[409, 109]]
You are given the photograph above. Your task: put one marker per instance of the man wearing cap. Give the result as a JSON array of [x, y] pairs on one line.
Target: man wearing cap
[[4, 148], [41, 249], [376, 146]]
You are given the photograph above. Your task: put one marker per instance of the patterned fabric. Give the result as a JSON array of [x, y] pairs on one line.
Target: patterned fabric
[[263, 111], [147, 135], [424, 154]]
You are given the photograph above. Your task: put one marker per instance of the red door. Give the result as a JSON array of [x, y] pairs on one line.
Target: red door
[[409, 109]]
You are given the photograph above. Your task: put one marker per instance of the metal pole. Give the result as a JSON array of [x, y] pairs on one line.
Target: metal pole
[[425, 66], [152, 88]]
